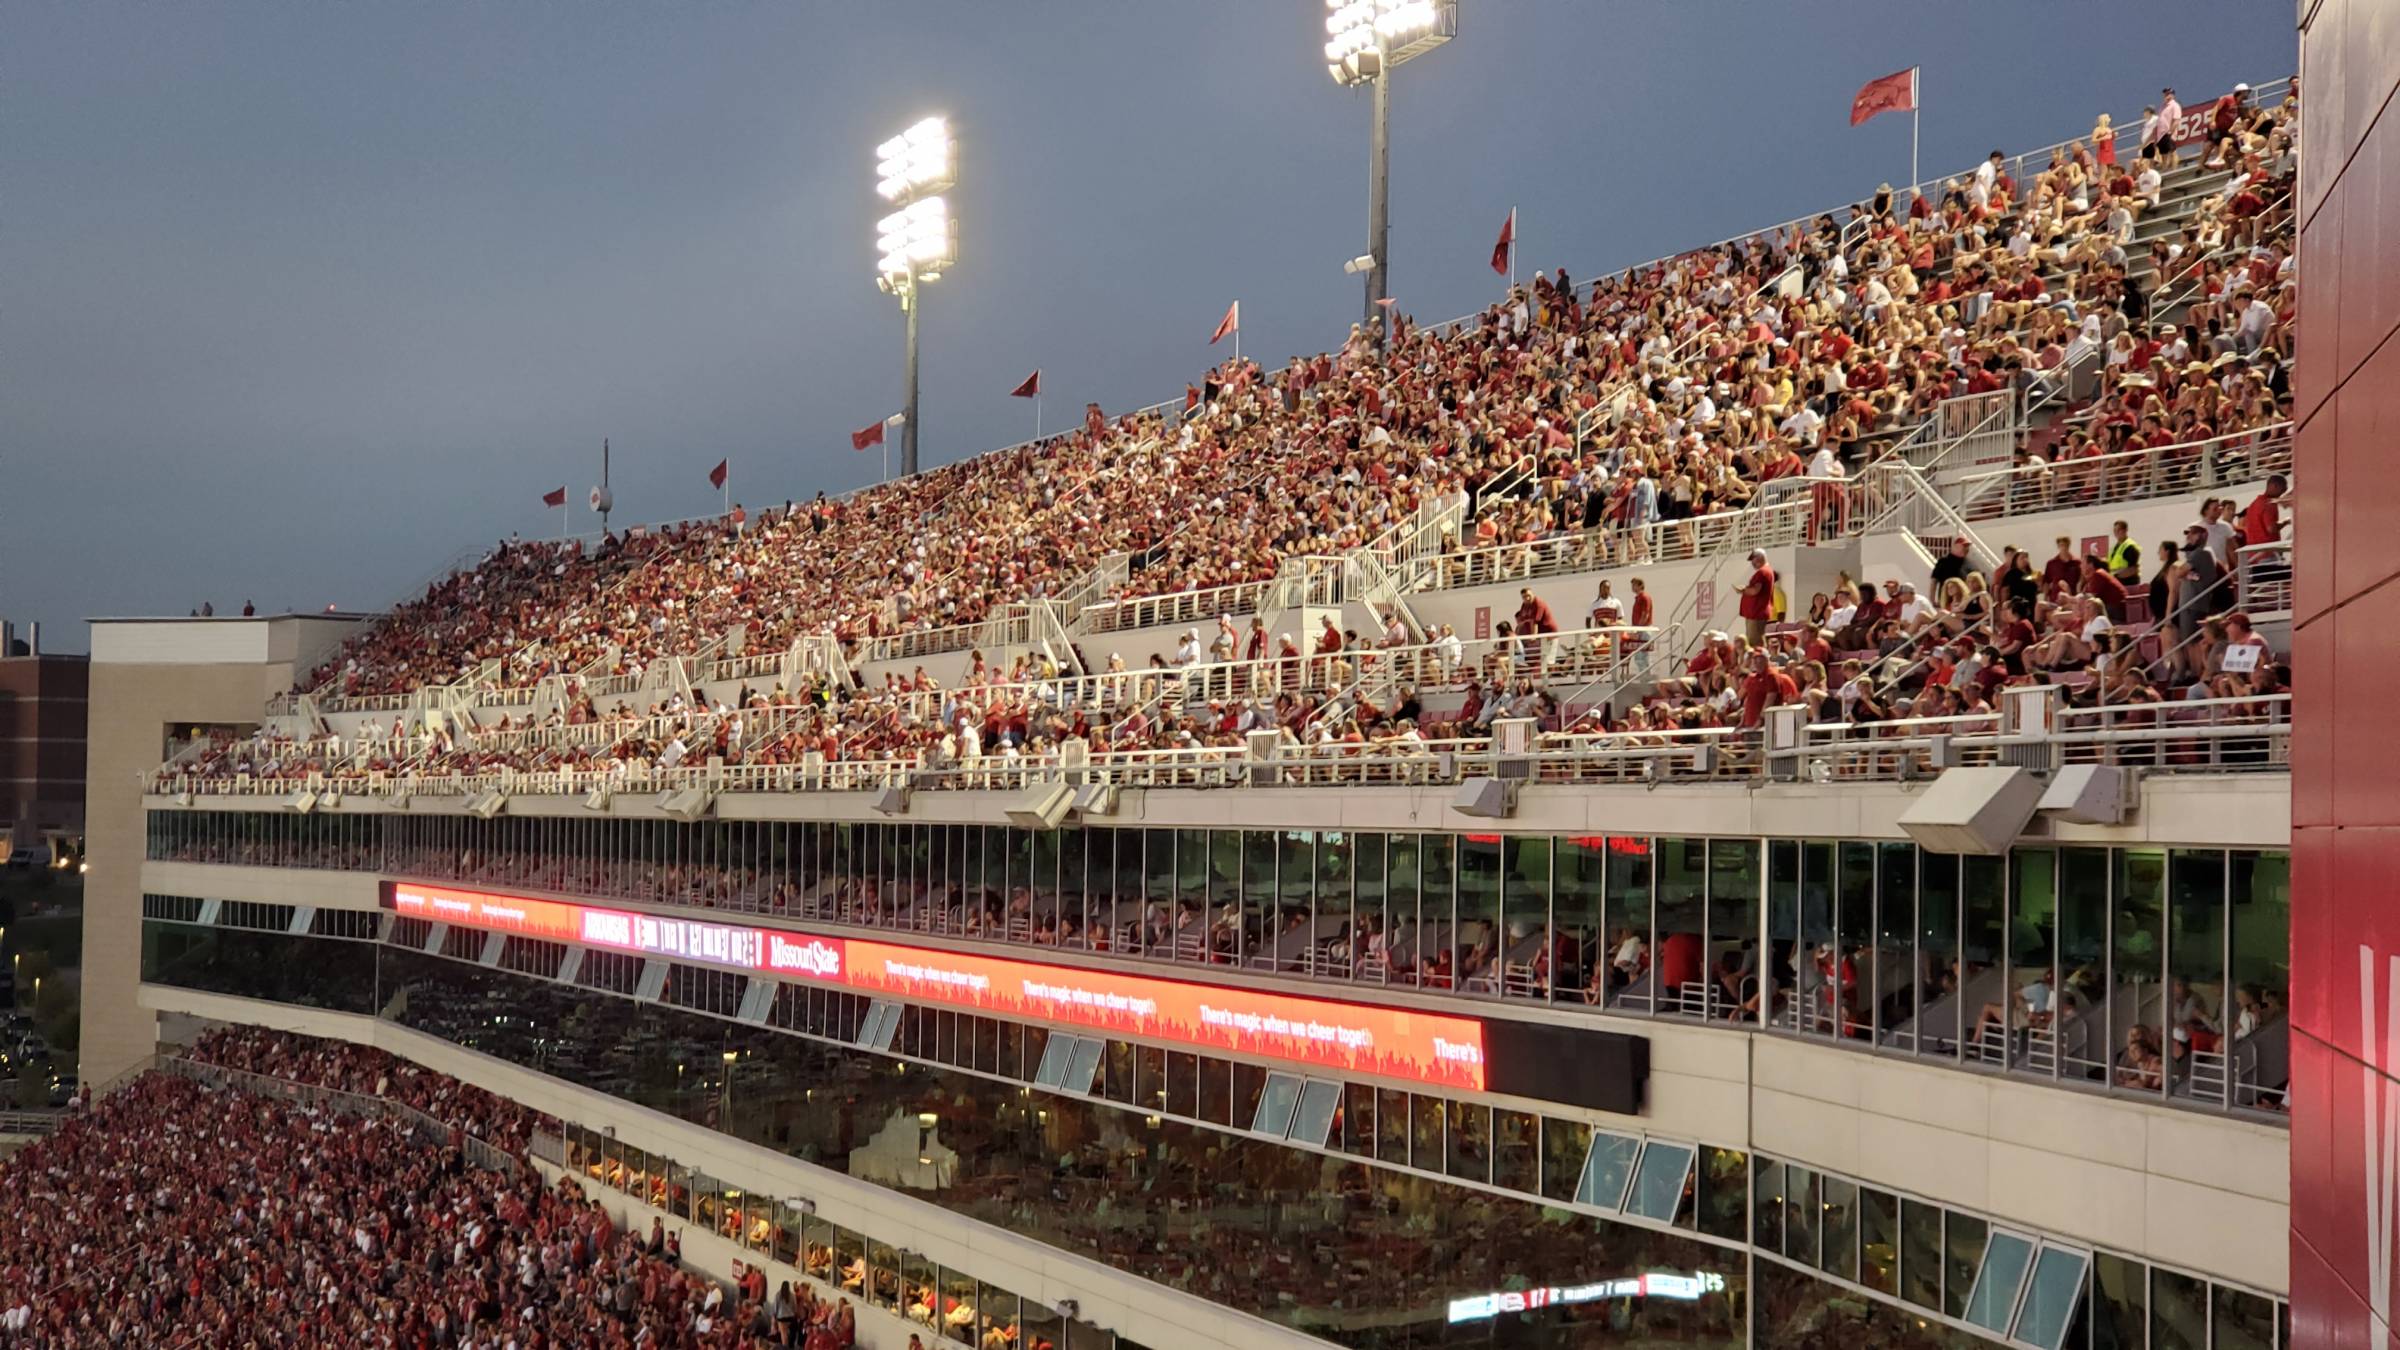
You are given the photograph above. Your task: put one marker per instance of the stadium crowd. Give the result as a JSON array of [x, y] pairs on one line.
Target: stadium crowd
[[129, 1227], [1600, 411]]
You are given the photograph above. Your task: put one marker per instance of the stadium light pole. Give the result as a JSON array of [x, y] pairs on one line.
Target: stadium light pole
[[916, 241], [1364, 40]]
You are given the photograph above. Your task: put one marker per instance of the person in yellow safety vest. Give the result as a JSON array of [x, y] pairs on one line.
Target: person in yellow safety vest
[[2124, 555]]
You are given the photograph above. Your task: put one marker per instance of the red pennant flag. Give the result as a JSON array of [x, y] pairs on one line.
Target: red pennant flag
[[716, 476], [558, 498], [868, 438], [1508, 240], [1231, 323], [1032, 387], [1896, 92]]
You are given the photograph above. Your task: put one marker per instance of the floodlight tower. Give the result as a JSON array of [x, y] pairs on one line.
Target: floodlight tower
[[1364, 40], [914, 243]]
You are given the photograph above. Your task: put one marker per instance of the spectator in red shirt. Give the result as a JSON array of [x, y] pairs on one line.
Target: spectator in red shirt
[[2262, 519], [1766, 686], [1533, 614], [2062, 572], [1758, 598], [2103, 586]]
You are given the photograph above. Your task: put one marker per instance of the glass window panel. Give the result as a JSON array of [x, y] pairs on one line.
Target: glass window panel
[[1516, 1157], [959, 1308], [1183, 1085], [1660, 1181], [2261, 923], [1733, 887], [2178, 1311], [1944, 1019], [1425, 1132], [1963, 1242], [1467, 1146], [1312, 1117], [1526, 954], [1626, 908], [1994, 1297], [2196, 959], [1216, 1090], [1275, 1104], [1879, 1240], [2081, 997], [1565, 1145], [1724, 1192], [1391, 1126], [2050, 1298], [2137, 992], [1838, 1254], [1606, 1170], [1356, 1124], [2027, 1000], [1921, 1253], [2242, 1320], [1802, 1219], [1766, 1206], [1087, 1059], [2120, 1302], [1681, 973]]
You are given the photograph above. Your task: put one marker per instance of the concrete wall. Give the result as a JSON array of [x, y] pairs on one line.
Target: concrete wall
[[147, 677], [2345, 742]]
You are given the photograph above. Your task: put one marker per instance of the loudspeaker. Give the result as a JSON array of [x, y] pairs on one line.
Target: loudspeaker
[[1978, 810], [303, 801], [596, 799], [488, 805], [2090, 794], [1096, 799], [1043, 808], [1485, 798], [891, 801]]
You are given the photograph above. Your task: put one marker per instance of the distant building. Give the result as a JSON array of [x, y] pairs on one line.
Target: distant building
[[42, 698]]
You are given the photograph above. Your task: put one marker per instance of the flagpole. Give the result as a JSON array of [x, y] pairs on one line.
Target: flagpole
[[727, 487], [1916, 110], [1037, 412], [1512, 248]]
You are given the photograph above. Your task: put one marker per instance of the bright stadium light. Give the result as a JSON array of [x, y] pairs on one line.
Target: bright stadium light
[[920, 159], [914, 243], [1364, 39]]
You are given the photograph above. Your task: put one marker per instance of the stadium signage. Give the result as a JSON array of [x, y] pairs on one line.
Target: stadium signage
[[1657, 1284], [1427, 1048]]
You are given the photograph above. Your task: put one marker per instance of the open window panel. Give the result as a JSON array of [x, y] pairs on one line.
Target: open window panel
[[1312, 1119], [1606, 1169], [1277, 1102], [1661, 1182]]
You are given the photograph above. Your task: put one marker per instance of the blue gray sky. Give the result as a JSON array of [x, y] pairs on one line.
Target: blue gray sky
[[301, 302]]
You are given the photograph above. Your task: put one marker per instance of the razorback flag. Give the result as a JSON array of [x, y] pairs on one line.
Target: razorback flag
[[867, 438], [1231, 323], [558, 498], [716, 476], [1032, 388], [1896, 92], [1508, 240]]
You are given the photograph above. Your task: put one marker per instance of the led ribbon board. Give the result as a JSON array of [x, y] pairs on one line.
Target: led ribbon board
[[1419, 1047]]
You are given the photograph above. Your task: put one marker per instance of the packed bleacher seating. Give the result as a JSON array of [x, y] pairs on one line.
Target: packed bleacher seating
[[367, 1071], [1565, 412], [176, 1214]]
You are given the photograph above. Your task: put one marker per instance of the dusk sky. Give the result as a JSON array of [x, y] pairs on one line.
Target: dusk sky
[[303, 303]]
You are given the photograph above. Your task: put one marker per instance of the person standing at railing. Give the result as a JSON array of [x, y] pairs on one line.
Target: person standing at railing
[[1758, 599]]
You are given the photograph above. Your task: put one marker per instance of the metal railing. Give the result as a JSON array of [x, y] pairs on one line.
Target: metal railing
[[2192, 736], [2127, 476], [1150, 611]]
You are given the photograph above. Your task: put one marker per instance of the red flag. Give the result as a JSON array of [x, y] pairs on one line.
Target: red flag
[[716, 476], [868, 438], [1508, 240], [1896, 92], [1032, 388], [558, 498], [1231, 323]]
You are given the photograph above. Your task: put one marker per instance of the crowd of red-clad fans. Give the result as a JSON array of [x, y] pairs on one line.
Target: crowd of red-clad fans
[[176, 1214], [1602, 410], [369, 1072]]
